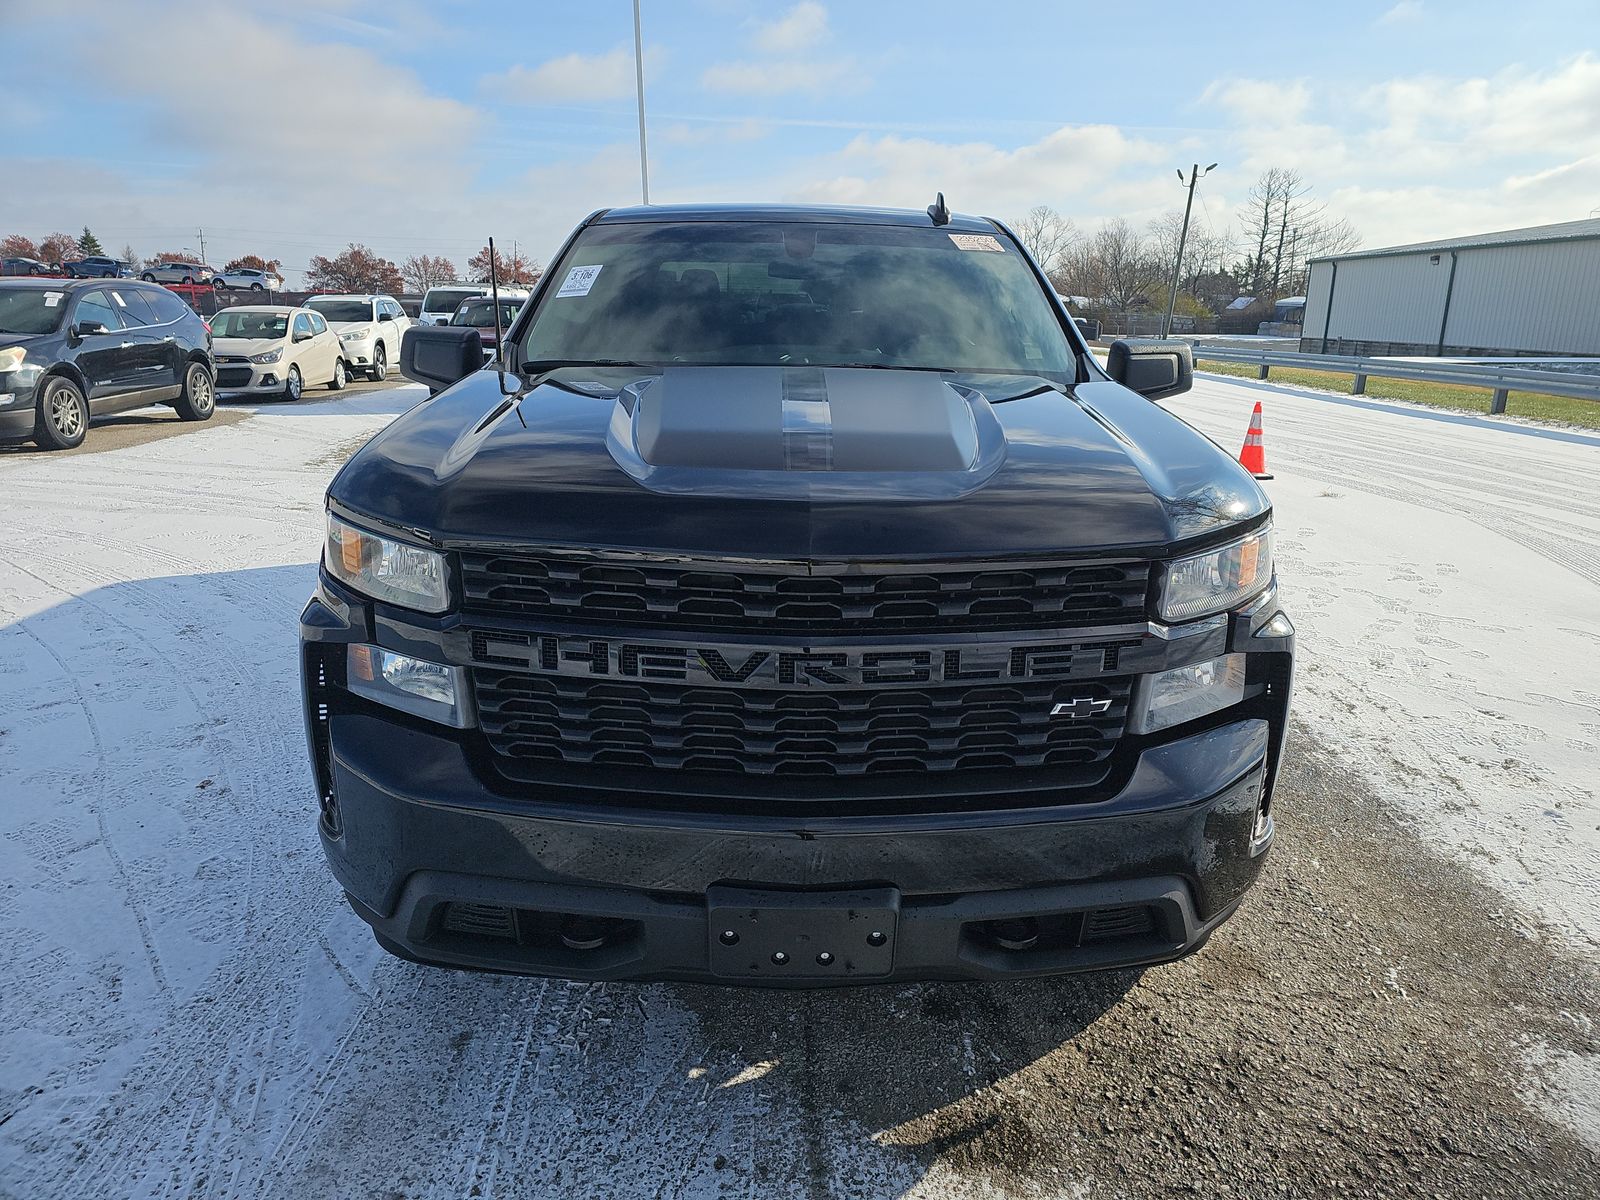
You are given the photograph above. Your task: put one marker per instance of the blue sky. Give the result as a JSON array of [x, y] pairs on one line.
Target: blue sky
[[291, 130]]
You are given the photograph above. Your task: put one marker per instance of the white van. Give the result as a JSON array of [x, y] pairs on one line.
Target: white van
[[441, 302]]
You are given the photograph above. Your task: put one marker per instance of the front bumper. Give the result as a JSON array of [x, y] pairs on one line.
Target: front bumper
[[449, 869], [358, 353], [17, 403], [236, 378]]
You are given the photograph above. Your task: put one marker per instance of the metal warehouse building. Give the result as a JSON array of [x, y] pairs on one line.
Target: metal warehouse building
[[1529, 291]]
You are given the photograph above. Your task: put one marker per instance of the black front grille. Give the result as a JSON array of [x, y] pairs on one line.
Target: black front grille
[[838, 732], [233, 377], [828, 601]]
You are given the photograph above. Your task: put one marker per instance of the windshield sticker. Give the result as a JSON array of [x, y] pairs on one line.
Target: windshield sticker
[[578, 282], [51, 299], [977, 241], [117, 296]]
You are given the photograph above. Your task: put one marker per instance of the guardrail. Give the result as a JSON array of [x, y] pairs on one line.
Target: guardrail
[[1493, 377]]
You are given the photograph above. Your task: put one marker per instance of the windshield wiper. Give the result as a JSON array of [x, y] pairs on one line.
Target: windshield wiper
[[535, 372], [540, 367]]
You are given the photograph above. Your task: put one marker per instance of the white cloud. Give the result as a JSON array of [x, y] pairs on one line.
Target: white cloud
[[803, 26], [777, 78], [1403, 13], [983, 177], [681, 133], [572, 78]]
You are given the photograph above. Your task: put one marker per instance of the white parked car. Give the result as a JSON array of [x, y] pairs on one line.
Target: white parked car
[[173, 271], [440, 304], [251, 279], [370, 328], [275, 350]]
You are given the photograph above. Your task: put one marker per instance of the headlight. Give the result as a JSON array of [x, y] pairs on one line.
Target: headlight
[[271, 356], [413, 685], [11, 358], [395, 572], [356, 335], [1217, 580], [1170, 698]]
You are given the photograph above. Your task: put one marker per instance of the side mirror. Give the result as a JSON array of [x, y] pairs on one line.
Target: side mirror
[[89, 328], [383, 316], [303, 336], [440, 355], [1151, 366]]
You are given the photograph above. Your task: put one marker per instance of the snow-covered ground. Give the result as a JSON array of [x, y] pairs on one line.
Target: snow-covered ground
[[188, 1009], [1443, 570]]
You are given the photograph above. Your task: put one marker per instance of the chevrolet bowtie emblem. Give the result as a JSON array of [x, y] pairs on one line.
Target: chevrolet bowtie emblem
[[1083, 706]]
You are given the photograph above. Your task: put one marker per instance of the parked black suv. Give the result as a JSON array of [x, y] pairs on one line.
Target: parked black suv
[[803, 605], [71, 350]]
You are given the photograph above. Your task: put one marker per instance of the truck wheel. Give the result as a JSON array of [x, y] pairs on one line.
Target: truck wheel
[[199, 398], [336, 384], [380, 365], [293, 384], [63, 418]]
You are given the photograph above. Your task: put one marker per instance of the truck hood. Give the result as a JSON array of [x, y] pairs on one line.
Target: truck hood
[[841, 465]]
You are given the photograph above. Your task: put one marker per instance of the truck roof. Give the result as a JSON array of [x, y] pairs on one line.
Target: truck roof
[[822, 214]]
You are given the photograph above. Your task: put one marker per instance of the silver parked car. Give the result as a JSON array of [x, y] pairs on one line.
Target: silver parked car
[[251, 279], [177, 272]]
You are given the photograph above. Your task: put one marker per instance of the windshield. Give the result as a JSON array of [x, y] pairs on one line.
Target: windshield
[[479, 314], [444, 300], [231, 324], [761, 293], [342, 310], [30, 310]]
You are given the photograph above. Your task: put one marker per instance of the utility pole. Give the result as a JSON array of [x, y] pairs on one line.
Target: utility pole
[[638, 71], [1195, 176], [202, 245]]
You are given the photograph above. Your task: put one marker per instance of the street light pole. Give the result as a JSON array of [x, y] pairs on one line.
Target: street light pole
[[1195, 176], [638, 70]]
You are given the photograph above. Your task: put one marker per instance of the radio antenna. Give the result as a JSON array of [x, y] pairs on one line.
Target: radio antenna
[[499, 337]]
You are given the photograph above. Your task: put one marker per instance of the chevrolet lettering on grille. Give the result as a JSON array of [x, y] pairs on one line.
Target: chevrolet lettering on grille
[[744, 666]]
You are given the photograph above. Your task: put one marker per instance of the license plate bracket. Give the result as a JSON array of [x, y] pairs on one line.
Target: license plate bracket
[[757, 933]]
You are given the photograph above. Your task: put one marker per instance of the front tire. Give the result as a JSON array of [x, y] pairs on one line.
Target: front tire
[[147, 277], [380, 364], [198, 400], [63, 418], [293, 384], [255, 287], [336, 384]]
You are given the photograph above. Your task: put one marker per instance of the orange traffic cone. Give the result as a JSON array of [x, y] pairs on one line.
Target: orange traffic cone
[[1253, 455]]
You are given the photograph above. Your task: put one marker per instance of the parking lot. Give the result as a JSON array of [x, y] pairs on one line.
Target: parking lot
[[143, 426], [1405, 1006]]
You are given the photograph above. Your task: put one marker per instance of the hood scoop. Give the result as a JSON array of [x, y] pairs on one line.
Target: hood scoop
[[805, 433]]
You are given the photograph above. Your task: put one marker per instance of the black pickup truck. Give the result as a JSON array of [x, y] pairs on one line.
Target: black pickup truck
[[796, 601]]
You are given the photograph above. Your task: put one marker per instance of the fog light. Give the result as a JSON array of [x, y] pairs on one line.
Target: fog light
[[1170, 698], [413, 685]]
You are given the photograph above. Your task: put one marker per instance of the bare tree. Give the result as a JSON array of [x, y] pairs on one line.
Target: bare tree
[[423, 271], [128, 256], [1286, 228], [1115, 268], [1048, 236]]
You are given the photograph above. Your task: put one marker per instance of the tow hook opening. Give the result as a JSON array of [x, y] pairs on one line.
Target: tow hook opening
[[579, 933]]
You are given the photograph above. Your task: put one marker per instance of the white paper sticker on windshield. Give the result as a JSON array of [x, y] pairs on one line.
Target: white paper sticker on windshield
[[117, 296], [51, 299], [578, 281], [976, 241]]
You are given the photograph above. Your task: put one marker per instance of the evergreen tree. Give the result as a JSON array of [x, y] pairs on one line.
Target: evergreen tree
[[89, 244]]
